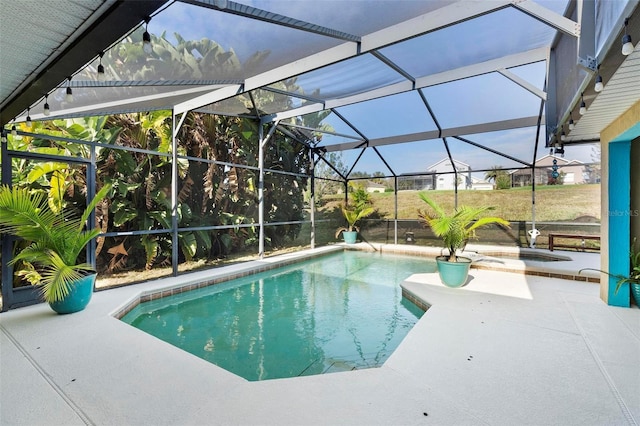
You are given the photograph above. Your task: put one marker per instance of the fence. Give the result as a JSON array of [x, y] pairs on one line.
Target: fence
[[412, 232]]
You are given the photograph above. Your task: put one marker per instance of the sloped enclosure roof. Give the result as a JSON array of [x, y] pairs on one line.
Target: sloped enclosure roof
[[393, 86]]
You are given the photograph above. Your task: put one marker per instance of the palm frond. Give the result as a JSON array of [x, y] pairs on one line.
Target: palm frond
[[58, 277], [25, 214], [484, 221], [436, 208], [57, 239], [457, 228], [92, 205]]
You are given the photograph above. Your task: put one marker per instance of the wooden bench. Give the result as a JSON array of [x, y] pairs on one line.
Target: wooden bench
[[582, 245]]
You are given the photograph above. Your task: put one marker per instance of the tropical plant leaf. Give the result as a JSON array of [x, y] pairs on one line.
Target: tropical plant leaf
[[150, 245], [188, 244], [124, 215], [185, 190], [204, 238], [458, 228], [57, 239]]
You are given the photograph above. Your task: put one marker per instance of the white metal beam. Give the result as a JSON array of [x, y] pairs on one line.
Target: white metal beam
[[113, 107], [177, 127], [307, 109], [326, 132], [435, 134], [309, 63], [392, 89], [440, 18], [517, 59], [549, 17], [523, 83], [208, 98]]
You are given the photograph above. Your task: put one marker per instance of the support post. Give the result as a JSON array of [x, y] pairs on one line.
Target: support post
[[91, 192], [312, 198], [262, 142], [261, 191], [395, 215], [6, 282], [346, 192], [174, 196], [533, 233], [455, 186]]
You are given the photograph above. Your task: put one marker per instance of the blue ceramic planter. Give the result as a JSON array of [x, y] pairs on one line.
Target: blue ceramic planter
[[349, 236], [635, 291], [78, 298], [453, 274]]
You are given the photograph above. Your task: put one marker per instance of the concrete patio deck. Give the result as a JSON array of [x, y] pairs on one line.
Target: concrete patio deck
[[506, 349]]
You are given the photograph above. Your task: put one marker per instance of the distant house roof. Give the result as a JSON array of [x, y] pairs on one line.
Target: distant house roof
[[456, 162], [547, 161], [370, 184], [479, 181]]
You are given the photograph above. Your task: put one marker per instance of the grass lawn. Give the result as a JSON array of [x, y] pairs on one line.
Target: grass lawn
[[553, 202]]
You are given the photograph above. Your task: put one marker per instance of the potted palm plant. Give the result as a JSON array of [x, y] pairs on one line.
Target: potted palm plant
[[633, 279], [56, 241], [352, 215], [455, 230]]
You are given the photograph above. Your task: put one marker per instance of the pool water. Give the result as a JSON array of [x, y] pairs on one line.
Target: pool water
[[338, 312]]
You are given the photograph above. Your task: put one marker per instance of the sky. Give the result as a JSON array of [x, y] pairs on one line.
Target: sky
[[486, 98]]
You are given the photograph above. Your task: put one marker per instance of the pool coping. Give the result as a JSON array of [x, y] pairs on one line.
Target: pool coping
[[488, 258]]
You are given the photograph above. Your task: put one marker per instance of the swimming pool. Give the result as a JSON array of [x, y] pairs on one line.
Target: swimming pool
[[337, 312]]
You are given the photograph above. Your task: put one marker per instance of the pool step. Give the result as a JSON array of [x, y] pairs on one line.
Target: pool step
[[338, 365]]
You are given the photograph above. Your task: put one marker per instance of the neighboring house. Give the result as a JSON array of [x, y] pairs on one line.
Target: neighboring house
[[480, 185], [374, 187], [575, 172], [415, 183], [438, 176], [445, 178]]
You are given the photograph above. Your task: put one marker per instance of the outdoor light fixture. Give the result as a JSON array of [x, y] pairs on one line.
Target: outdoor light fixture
[[627, 44], [101, 76], [599, 85], [563, 136], [14, 131], [571, 123], [146, 39], [29, 117], [69, 95], [3, 136], [47, 110], [583, 106]]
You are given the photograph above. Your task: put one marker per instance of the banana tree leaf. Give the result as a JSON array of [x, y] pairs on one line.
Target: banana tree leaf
[[188, 244], [43, 169], [163, 218], [123, 216]]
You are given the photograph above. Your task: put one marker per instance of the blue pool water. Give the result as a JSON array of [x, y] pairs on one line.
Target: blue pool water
[[338, 312]]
